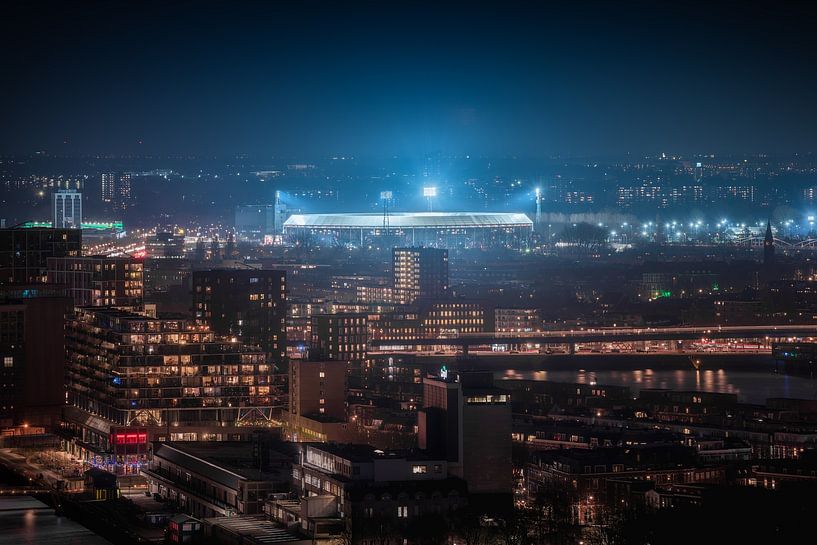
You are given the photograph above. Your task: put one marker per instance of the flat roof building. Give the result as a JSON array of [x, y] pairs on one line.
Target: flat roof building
[[24, 252], [99, 280], [131, 378], [448, 229]]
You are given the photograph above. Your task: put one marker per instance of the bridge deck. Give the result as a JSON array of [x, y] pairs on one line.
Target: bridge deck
[[772, 332]]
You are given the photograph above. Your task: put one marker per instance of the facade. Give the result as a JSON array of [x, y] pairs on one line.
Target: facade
[[217, 479], [466, 420], [317, 401], [452, 318], [131, 378], [340, 336], [24, 252], [422, 272], [32, 354], [317, 387], [99, 280], [67, 209], [586, 475], [384, 295], [246, 304], [116, 189], [395, 325], [517, 320], [360, 483]]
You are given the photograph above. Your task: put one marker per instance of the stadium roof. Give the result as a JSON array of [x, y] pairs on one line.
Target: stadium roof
[[410, 220]]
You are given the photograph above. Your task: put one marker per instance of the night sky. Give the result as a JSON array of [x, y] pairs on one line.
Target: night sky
[[314, 79]]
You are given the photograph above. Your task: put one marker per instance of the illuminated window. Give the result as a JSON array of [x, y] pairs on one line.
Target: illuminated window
[[419, 468], [8, 361]]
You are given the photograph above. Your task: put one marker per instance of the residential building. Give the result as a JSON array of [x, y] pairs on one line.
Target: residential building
[[358, 483], [246, 304], [99, 280], [317, 401], [24, 252], [133, 379], [517, 320], [422, 272]]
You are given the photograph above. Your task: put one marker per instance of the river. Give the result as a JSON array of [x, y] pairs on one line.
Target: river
[[751, 386]]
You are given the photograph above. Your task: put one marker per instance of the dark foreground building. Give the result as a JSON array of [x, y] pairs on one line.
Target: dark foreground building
[[24, 252], [247, 304], [32, 354]]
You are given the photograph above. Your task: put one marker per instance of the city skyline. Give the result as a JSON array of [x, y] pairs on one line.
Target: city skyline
[[408, 273]]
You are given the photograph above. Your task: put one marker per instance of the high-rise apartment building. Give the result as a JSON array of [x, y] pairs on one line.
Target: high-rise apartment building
[[339, 336], [421, 271], [342, 337], [99, 280], [247, 304], [67, 209], [24, 252], [115, 189], [132, 379]]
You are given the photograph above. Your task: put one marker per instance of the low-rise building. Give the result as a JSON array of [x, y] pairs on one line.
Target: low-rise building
[[359, 483], [217, 479]]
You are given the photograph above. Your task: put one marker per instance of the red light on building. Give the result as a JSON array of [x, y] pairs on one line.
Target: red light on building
[[130, 438]]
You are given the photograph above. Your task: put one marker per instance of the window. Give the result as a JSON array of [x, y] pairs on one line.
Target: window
[[402, 511], [419, 468], [8, 361]]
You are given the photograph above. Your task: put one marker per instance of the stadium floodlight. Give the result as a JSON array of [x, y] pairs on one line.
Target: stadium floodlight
[[386, 195], [429, 193]]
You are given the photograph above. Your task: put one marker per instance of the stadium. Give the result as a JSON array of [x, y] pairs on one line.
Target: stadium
[[448, 229]]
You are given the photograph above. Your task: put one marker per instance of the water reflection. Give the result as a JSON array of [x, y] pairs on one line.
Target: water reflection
[[750, 386]]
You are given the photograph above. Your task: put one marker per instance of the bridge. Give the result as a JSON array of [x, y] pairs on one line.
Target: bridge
[[767, 333]]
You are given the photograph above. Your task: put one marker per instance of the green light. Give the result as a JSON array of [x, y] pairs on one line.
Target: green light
[[91, 226]]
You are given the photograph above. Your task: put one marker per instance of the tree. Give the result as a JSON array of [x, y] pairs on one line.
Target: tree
[[584, 235]]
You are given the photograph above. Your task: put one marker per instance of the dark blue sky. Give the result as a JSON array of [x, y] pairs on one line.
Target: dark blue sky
[[317, 78]]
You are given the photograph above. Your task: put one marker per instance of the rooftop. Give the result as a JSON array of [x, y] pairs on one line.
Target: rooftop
[[226, 462], [365, 453], [410, 220]]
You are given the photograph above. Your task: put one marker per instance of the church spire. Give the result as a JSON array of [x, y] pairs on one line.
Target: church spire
[[768, 245]]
